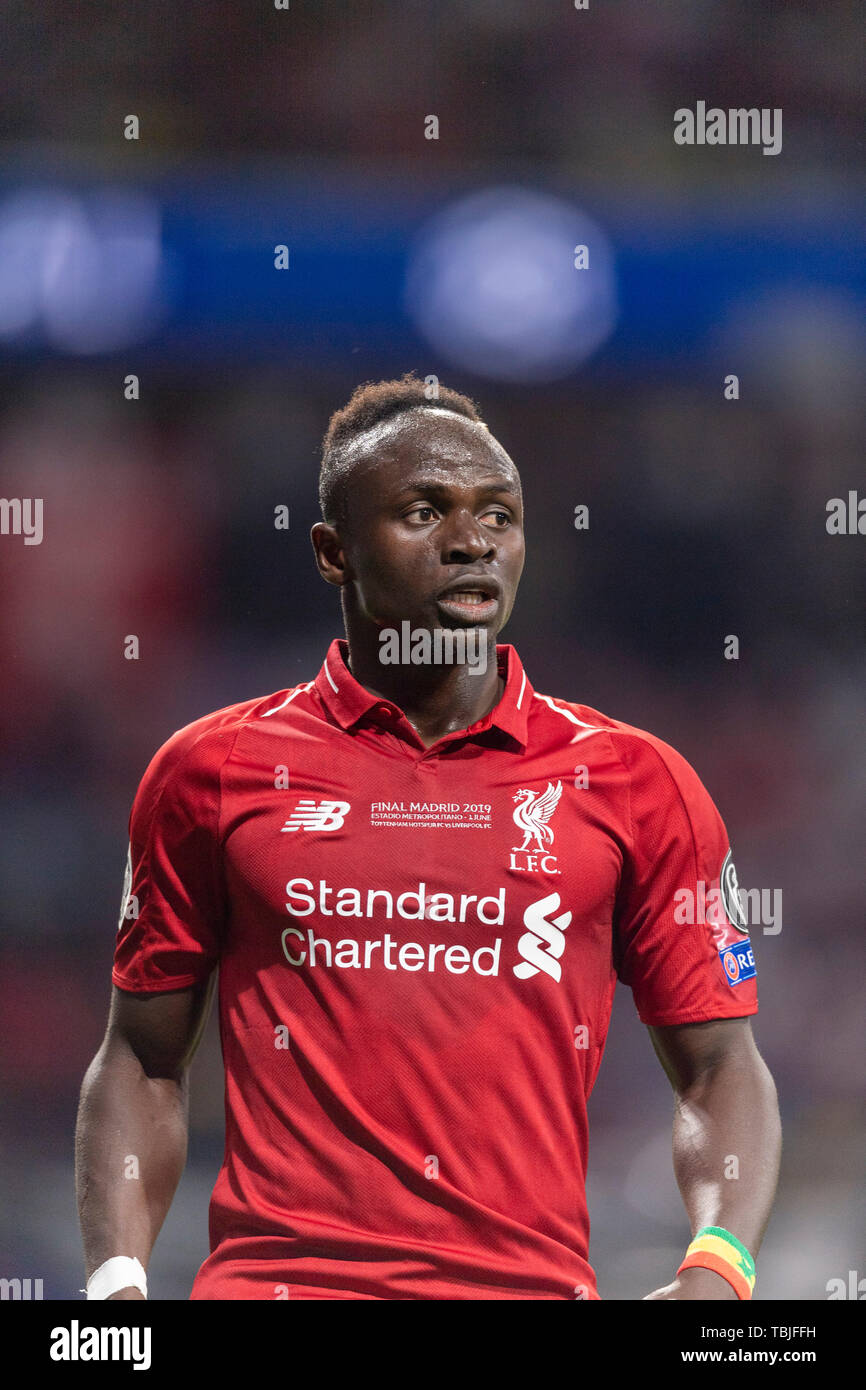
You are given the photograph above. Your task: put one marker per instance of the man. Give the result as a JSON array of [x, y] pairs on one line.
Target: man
[[421, 880]]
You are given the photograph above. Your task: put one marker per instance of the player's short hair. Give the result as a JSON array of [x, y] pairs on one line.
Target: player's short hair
[[369, 405]]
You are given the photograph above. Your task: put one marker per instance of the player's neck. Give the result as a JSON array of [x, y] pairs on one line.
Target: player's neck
[[437, 699]]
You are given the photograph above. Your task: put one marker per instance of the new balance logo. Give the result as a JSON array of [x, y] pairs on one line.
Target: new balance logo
[[542, 934], [317, 815]]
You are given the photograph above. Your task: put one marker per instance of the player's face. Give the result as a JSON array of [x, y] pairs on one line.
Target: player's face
[[436, 524]]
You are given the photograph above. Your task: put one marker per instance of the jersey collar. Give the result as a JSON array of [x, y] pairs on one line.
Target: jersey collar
[[350, 702]]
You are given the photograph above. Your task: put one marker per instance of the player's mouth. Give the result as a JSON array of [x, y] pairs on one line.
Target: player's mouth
[[468, 600]]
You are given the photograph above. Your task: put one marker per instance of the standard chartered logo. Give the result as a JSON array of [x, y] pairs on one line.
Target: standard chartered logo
[[540, 946], [543, 944]]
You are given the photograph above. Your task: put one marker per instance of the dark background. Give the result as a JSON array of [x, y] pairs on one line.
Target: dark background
[[451, 257]]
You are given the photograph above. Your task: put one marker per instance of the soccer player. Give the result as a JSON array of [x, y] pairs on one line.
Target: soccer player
[[420, 880]]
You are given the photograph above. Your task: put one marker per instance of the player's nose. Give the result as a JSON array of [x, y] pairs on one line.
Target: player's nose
[[466, 539]]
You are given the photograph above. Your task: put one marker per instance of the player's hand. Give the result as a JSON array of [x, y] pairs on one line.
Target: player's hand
[[130, 1293], [696, 1283]]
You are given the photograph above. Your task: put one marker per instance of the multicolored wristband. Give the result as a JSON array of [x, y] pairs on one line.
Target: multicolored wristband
[[715, 1248]]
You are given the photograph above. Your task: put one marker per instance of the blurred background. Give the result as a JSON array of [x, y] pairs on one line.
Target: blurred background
[[155, 258]]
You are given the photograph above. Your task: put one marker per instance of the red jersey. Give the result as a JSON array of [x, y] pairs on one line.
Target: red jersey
[[418, 950]]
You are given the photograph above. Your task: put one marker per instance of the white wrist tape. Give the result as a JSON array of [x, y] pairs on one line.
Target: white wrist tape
[[120, 1272]]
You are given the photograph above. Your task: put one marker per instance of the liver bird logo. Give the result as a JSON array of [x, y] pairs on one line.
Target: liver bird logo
[[533, 813]]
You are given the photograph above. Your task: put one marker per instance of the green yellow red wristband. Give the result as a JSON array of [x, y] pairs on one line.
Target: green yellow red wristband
[[715, 1248]]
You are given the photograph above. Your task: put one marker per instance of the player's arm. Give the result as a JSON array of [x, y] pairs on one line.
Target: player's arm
[[131, 1134], [726, 1138]]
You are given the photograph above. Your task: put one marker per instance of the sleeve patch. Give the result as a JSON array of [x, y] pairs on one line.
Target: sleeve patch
[[738, 962], [731, 899]]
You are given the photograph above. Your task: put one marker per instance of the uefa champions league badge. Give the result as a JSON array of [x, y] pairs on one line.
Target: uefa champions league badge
[[738, 962], [731, 900]]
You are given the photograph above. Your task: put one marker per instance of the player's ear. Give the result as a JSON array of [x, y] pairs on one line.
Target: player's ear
[[330, 553]]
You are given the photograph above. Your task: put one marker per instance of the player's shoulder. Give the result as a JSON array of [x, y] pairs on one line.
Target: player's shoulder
[[199, 749], [641, 751]]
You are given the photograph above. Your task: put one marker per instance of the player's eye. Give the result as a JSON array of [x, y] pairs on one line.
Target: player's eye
[[503, 518], [415, 513]]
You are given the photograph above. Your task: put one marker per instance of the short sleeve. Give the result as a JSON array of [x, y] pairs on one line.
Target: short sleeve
[[172, 911], [680, 936]]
